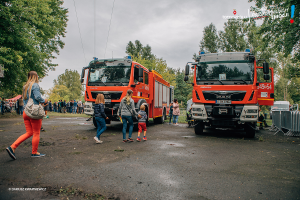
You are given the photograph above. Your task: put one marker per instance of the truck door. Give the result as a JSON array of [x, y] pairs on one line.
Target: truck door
[[265, 88], [146, 91], [140, 87]]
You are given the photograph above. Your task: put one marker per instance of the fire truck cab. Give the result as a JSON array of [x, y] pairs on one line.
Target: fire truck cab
[[113, 77], [228, 89]]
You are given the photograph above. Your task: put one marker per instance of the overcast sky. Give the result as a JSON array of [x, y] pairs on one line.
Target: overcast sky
[[173, 29]]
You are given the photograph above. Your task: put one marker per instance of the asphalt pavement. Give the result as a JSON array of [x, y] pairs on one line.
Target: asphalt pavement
[[173, 164]]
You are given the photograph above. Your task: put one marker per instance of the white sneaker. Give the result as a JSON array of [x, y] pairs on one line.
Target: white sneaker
[[97, 140]]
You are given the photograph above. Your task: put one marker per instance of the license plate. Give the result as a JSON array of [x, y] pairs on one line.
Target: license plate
[[223, 101], [107, 100]]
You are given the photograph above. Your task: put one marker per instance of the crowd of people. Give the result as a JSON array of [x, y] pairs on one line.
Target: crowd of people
[[62, 106], [11, 105]]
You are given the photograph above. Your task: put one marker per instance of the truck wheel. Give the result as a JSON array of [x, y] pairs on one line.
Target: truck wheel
[[159, 120], [94, 122], [250, 130], [199, 127]]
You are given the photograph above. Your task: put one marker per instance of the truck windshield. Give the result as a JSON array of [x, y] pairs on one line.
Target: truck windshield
[[111, 74], [225, 73]]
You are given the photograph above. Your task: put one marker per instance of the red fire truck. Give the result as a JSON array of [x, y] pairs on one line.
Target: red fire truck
[[228, 89], [113, 77]]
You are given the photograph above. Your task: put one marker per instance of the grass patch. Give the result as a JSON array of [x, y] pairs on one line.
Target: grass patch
[[261, 139], [79, 137], [10, 115], [74, 192], [19, 123], [56, 114], [119, 150]]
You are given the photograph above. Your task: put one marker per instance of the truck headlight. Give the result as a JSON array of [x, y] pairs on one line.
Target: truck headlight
[[252, 111], [251, 116]]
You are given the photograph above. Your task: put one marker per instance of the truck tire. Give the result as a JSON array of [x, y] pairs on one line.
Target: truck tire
[[159, 120], [199, 126], [94, 122], [250, 130]]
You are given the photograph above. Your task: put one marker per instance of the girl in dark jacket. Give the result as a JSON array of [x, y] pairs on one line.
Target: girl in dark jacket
[[100, 117]]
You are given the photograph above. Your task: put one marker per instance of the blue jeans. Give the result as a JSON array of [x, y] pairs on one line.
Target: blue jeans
[[175, 119], [130, 121], [21, 110], [171, 116], [101, 126], [74, 109]]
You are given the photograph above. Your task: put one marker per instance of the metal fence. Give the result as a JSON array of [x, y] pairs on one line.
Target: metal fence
[[287, 122]]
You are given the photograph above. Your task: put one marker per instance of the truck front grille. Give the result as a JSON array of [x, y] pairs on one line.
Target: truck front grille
[[224, 95], [108, 95]]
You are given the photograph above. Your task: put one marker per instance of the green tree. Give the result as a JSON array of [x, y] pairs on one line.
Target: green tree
[[210, 39], [233, 37], [183, 90], [67, 86], [159, 65], [59, 92], [288, 84], [31, 33], [277, 31], [144, 56], [137, 50]]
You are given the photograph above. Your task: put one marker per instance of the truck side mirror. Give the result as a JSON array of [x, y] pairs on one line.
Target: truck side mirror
[[186, 78], [266, 77], [187, 70], [266, 68], [141, 71], [82, 75]]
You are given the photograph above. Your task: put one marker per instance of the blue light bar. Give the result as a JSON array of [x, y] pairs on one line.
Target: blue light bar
[[247, 50], [129, 57], [95, 58], [202, 52]]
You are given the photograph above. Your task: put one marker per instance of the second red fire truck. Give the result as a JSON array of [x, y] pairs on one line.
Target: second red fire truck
[[228, 89]]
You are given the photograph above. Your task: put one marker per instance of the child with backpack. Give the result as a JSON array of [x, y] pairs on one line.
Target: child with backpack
[[142, 123]]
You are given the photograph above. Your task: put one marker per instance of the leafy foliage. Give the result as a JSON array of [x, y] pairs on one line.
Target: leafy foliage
[[183, 90], [277, 31], [144, 56], [31, 33], [210, 40], [66, 87], [137, 50]]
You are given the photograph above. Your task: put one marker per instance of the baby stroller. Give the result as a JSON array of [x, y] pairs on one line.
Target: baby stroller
[[7, 108]]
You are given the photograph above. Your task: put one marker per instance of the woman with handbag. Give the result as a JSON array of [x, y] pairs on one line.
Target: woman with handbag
[[126, 112], [31, 97]]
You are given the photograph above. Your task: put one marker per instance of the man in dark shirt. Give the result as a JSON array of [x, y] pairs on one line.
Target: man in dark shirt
[[50, 106], [59, 106], [64, 106], [71, 105]]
